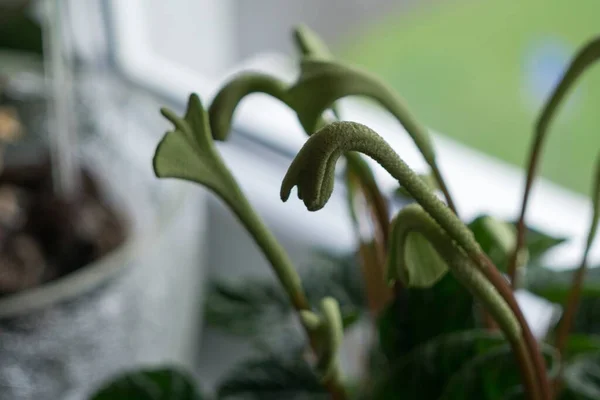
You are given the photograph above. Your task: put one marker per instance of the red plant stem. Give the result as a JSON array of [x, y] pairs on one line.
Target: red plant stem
[[533, 349]]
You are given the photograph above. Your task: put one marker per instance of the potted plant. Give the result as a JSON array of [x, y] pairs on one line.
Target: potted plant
[[84, 288], [440, 291]]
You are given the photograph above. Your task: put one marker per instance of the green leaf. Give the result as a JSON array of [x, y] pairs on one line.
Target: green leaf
[[423, 372], [579, 344], [310, 44], [414, 261], [273, 378], [496, 238], [555, 286], [189, 153], [429, 179], [150, 384], [582, 378], [538, 243], [416, 316], [423, 265], [493, 375], [248, 307]]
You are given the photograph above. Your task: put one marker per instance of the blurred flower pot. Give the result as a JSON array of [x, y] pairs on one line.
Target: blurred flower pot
[[138, 304]]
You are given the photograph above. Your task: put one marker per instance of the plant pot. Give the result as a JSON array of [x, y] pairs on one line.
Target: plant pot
[[139, 304]]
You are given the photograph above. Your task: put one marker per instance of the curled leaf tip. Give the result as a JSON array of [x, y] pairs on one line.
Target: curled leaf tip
[[313, 169]]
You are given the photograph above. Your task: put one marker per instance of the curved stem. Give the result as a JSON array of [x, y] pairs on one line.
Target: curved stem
[[224, 104], [535, 355], [316, 161], [415, 219], [587, 56], [322, 83], [287, 275]]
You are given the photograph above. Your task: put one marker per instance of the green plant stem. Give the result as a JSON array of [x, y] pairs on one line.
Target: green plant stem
[[587, 56], [287, 275], [316, 160], [535, 355]]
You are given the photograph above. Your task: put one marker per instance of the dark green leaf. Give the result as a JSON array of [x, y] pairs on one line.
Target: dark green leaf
[[493, 375], [582, 378], [419, 315], [272, 378], [248, 307], [496, 238], [555, 287], [423, 373], [150, 384], [538, 243], [579, 344]]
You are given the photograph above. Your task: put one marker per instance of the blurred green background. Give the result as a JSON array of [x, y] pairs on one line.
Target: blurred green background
[[479, 72]]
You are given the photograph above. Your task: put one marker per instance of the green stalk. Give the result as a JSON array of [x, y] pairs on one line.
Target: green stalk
[[313, 170]]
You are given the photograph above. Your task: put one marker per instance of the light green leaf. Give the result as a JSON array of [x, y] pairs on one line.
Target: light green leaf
[[150, 384], [423, 265], [189, 153], [414, 262]]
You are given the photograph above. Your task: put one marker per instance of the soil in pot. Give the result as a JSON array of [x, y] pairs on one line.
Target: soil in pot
[[43, 237]]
